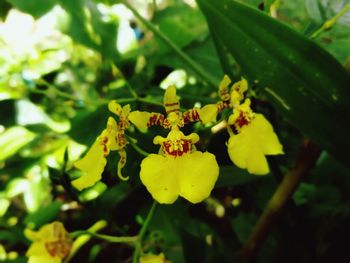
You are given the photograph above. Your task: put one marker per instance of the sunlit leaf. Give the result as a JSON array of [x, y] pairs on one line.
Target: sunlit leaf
[[12, 140], [28, 114], [181, 23], [87, 27], [34, 7]]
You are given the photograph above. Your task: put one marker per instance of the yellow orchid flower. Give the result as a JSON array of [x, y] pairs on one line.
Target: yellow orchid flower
[[143, 119], [237, 91], [255, 138], [179, 170], [111, 139], [209, 112], [50, 244], [154, 259]]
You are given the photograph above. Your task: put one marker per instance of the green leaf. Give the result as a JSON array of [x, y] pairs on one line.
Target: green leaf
[[43, 215], [13, 139], [315, 10], [231, 175], [182, 24], [87, 125], [304, 193], [36, 8], [243, 225], [87, 27], [306, 84], [201, 51]]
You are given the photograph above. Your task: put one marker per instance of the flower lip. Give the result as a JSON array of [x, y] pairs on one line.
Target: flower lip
[[177, 148], [62, 245], [51, 243], [59, 248], [176, 143], [242, 120]]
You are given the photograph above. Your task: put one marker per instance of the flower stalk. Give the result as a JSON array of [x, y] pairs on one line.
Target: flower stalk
[[305, 161]]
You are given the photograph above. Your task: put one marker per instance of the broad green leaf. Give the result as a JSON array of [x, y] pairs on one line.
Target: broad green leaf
[[4, 205], [306, 84], [44, 215], [4, 8], [7, 111], [14, 139], [34, 7], [87, 27], [30, 114], [182, 24], [321, 10], [315, 10], [87, 125], [201, 51], [337, 42]]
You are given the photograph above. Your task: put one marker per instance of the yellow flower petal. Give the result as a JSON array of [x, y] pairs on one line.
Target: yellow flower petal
[[92, 165], [121, 164], [31, 235], [171, 101], [237, 92], [271, 144], [153, 259], [223, 88], [191, 176], [248, 148], [208, 113], [110, 135], [115, 107], [52, 243], [198, 175], [159, 175], [242, 115], [42, 259], [140, 119], [38, 249], [176, 143], [51, 232]]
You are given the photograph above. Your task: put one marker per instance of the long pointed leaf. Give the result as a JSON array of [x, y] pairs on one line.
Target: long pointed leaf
[[307, 85]]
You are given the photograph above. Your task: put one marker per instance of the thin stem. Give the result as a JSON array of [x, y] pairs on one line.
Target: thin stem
[[55, 90], [131, 90], [274, 7], [133, 142], [330, 22], [111, 239], [127, 83], [139, 150], [142, 233], [201, 99], [151, 102], [125, 100], [154, 2], [52, 89], [206, 76], [305, 161], [83, 239]]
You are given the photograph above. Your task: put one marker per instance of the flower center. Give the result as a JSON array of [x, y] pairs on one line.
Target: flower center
[[62, 243], [177, 147], [176, 143], [242, 119], [59, 248]]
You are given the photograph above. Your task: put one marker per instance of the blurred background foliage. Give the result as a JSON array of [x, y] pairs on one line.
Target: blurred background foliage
[[61, 61]]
